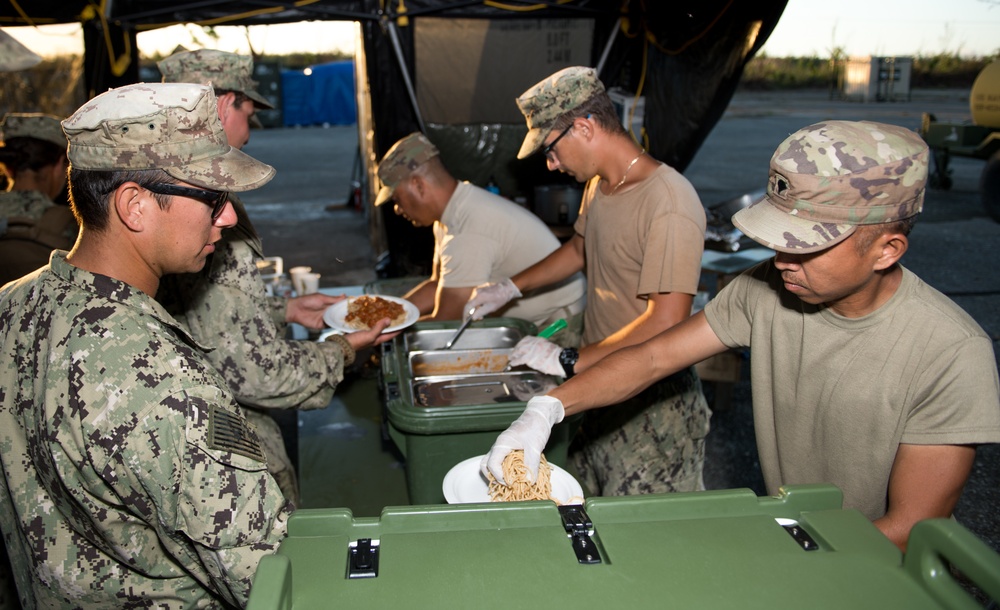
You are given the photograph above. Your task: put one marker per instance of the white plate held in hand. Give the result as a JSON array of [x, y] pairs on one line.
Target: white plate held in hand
[[335, 314], [466, 484]]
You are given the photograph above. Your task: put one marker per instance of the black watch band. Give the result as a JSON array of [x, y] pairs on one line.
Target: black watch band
[[568, 358]]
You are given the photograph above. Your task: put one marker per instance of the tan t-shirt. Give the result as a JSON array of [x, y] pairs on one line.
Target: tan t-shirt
[[646, 240], [483, 237], [833, 397]]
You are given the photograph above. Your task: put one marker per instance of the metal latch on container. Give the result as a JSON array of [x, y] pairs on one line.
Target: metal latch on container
[[579, 528], [798, 534], [362, 558]]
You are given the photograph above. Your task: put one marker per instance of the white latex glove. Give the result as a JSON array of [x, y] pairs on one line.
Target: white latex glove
[[539, 354], [487, 298], [529, 432]]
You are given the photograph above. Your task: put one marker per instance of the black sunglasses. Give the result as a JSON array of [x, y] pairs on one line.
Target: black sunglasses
[[547, 150], [213, 199]]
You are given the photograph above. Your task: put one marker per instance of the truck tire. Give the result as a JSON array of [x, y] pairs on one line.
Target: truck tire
[[989, 186]]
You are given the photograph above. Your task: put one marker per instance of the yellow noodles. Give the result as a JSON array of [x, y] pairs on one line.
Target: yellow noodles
[[515, 473]]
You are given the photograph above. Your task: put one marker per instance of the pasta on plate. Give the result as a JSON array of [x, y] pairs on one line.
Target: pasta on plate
[[518, 486]]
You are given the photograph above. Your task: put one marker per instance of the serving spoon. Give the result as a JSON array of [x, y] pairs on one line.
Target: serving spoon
[[460, 330]]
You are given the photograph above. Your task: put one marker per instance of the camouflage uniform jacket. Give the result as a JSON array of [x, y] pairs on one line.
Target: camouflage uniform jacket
[[225, 307], [131, 478], [27, 204]]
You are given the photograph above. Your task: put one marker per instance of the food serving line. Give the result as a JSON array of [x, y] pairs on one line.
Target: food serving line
[[438, 410]]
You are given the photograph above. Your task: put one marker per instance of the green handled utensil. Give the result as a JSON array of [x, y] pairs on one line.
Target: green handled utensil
[[547, 332]]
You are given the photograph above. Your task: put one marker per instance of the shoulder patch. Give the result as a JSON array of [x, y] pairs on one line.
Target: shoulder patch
[[227, 431]]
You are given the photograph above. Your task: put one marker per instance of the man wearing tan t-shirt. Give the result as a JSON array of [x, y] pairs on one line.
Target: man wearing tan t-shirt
[[478, 237], [640, 236], [862, 375]]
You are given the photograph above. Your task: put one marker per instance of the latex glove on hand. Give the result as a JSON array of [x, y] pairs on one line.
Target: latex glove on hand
[[528, 432], [487, 298], [539, 354]]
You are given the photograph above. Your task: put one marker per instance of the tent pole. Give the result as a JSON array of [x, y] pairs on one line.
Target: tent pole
[[394, 36], [607, 47]]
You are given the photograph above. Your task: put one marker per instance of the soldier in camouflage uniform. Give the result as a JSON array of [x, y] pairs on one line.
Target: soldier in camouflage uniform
[[862, 375], [130, 476], [639, 236], [225, 306], [33, 155]]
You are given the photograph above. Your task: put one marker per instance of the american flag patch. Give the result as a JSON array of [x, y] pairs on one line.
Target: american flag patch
[[227, 431]]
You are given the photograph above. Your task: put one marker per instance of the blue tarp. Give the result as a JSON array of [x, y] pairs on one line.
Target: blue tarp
[[326, 96]]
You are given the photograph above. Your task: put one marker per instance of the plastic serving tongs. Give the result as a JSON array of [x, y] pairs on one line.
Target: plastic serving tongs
[[549, 330]]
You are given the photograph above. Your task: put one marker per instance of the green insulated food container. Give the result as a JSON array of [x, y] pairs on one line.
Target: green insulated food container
[[712, 549], [443, 406]]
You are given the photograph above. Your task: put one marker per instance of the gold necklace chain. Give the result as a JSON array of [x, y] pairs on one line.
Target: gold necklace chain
[[625, 176]]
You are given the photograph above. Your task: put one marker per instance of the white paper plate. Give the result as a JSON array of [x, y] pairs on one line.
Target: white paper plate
[[335, 314], [465, 484]]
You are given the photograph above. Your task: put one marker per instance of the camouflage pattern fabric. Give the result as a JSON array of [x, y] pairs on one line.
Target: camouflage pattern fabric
[[224, 306], [32, 125], [24, 204], [14, 55], [131, 478], [830, 177], [174, 127], [220, 69], [652, 443], [549, 99], [406, 155]]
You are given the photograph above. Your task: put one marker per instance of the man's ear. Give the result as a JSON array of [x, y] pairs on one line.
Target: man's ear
[[892, 248], [225, 103], [130, 202]]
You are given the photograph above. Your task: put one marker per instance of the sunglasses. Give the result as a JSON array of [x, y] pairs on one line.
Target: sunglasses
[[213, 199], [547, 150]]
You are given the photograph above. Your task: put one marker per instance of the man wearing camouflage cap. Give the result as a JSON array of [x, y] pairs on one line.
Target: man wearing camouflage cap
[[33, 156], [478, 237], [862, 375], [639, 237], [130, 476], [224, 306]]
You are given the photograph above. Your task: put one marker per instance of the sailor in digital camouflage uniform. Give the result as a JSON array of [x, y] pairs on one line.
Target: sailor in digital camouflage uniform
[[862, 375], [130, 476], [33, 156], [639, 237], [225, 305]]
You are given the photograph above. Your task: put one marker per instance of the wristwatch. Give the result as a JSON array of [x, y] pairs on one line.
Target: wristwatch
[[568, 358]]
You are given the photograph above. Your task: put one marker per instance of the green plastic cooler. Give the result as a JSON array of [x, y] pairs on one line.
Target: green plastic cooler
[[434, 437], [713, 549]]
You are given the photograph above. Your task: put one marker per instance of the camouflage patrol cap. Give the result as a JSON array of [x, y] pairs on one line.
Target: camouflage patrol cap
[[220, 69], [170, 126], [830, 177], [551, 98], [14, 55], [405, 156], [38, 126]]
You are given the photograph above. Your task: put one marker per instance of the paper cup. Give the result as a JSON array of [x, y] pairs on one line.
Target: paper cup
[[296, 273], [310, 283]]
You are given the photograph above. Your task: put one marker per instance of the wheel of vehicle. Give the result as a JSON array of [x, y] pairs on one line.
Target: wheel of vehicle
[[989, 186]]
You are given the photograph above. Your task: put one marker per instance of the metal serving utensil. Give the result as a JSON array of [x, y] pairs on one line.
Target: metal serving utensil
[[461, 329]]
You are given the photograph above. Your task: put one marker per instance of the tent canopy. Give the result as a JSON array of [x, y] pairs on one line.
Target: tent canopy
[[452, 68]]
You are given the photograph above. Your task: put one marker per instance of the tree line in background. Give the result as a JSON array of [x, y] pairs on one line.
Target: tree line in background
[[55, 86]]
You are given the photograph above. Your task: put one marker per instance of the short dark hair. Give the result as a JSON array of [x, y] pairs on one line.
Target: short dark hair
[[90, 190], [865, 235], [238, 100], [26, 153], [600, 108]]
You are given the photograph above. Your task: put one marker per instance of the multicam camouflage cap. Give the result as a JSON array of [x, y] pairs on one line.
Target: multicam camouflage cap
[[170, 126], [830, 177], [405, 156], [551, 98], [31, 125], [14, 55], [220, 69]]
